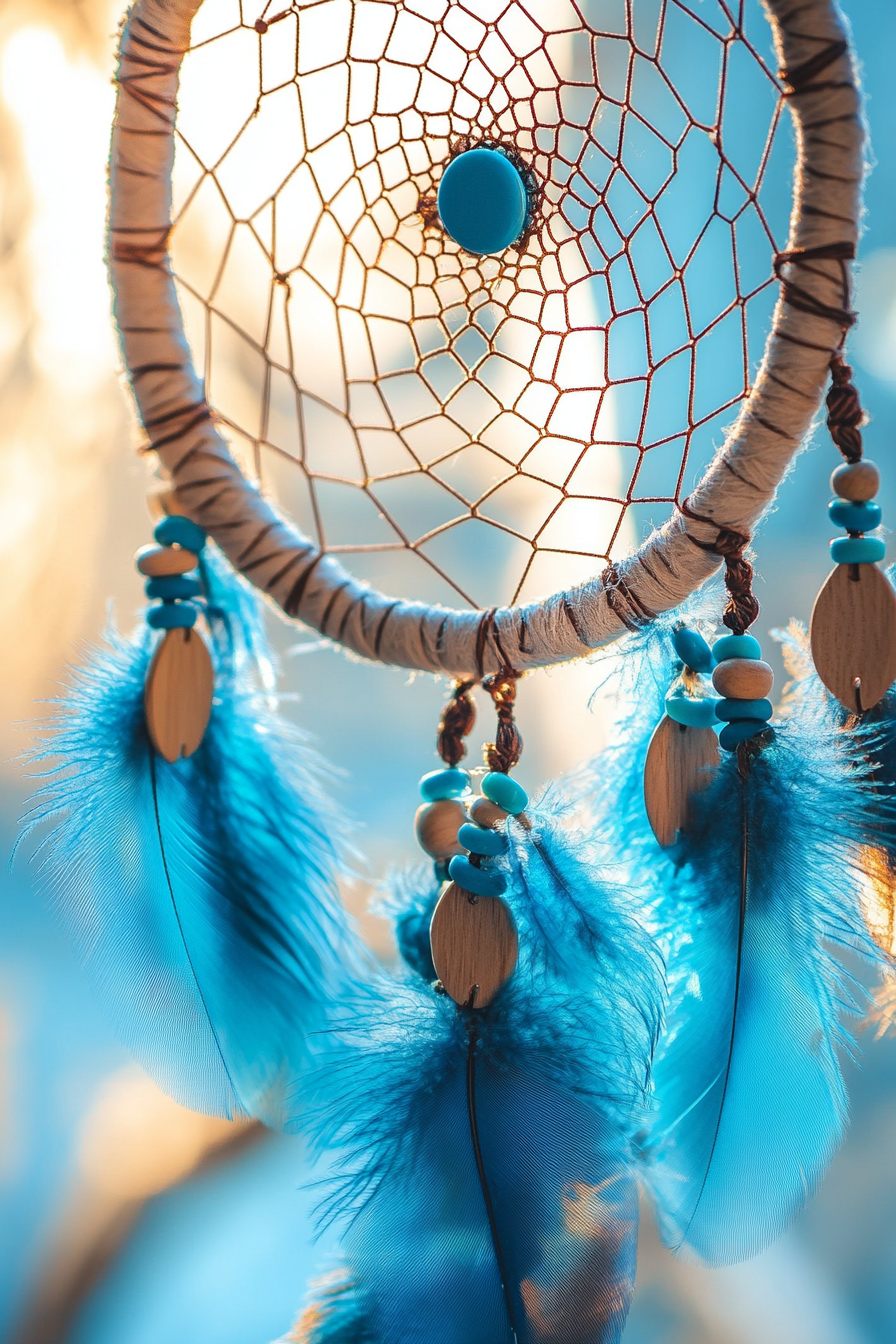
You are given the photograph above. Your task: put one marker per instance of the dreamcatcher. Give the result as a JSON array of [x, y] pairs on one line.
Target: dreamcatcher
[[450, 299]]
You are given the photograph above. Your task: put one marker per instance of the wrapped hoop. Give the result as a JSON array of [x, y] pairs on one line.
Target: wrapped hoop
[[312, 586]]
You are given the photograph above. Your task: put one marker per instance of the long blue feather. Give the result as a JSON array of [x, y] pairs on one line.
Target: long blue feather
[[203, 894], [334, 1314], [750, 1096], [486, 1176]]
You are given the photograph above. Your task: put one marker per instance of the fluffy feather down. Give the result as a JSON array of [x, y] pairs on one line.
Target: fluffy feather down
[[202, 894]]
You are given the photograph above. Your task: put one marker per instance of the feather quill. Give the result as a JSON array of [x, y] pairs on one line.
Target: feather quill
[[485, 1176], [760, 923], [203, 894]]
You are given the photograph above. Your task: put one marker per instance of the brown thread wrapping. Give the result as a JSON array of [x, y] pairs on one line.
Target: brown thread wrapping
[[845, 414], [456, 723], [799, 79], [741, 608], [504, 753]]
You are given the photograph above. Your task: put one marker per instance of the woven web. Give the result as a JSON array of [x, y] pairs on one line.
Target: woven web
[[478, 428]]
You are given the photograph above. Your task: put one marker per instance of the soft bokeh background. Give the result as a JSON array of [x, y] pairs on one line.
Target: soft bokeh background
[[123, 1218]]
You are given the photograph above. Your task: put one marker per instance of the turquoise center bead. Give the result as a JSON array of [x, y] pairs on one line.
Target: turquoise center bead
[[505, 792], [480, 881], [863, 517], [482, 201], [729, 710], [478, 840], [444, 784], [175, 530], [692, 711]]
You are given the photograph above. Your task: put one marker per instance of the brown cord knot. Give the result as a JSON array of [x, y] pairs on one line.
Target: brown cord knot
[[742, 608], [845, 414], [456, 723], [504, 753], [805, 302]]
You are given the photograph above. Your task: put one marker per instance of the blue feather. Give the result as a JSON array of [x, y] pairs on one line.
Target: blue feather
[[203, 894], [333, 1316], [408, 898], [751, 1102], [485, 1168]]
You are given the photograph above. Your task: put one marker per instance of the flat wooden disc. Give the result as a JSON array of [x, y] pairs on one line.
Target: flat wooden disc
[[680, 762], [178, 696], [474, 945], [853, 635]]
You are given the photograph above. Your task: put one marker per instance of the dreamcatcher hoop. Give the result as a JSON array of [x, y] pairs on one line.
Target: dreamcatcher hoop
[[311, 585]]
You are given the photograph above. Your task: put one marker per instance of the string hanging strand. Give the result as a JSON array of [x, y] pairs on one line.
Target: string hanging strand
[[742, 608]]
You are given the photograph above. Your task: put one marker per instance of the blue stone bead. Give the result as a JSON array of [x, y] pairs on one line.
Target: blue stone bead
[[480, 840], [693, 712], [482, 201], [740, 731], [864, 517], [444, 784], [481, 881], [173, 616], [728, 710], [505, 792], [857, 550], [172, 586], [175, 530], [736, 646], [693, 649]]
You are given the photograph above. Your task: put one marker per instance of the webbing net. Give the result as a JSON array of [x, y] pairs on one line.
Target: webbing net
[[478, 428]]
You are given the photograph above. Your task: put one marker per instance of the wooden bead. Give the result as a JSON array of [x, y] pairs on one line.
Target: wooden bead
[[853, 635], [178, 695], [856, 481], [437, 825], [680, 763], [743, 679], [474, 945], [158, 560], [486, 813]]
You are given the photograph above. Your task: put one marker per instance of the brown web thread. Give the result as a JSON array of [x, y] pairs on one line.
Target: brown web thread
[[487, 427]]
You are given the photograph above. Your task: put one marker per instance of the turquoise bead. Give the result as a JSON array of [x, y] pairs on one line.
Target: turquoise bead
[[482, 201], [857, 550], [480, 840], [444, 784], [863, 517], [504, 791], [728, 710], [740, 731], [481, 881], [172, 586], [693, 649], [172, 616], [736, 646], [693, 712], [175, 530]]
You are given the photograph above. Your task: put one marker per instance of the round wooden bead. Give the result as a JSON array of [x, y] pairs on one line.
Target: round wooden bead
[[450, 783], [693, 649], [155, 561], [437, 825], [481, 840], [864, 517], [480, 881], [692, 711], [736, 646], [501, 789], [857, 550], [486, 813], [856, 480], [743, 678]]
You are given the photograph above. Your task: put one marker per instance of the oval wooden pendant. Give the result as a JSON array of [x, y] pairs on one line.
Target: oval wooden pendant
[[680, 762], [474, 945], [853, 635], [178, 695]]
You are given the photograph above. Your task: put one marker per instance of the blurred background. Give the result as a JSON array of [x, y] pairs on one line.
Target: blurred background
[[122, 1217]]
